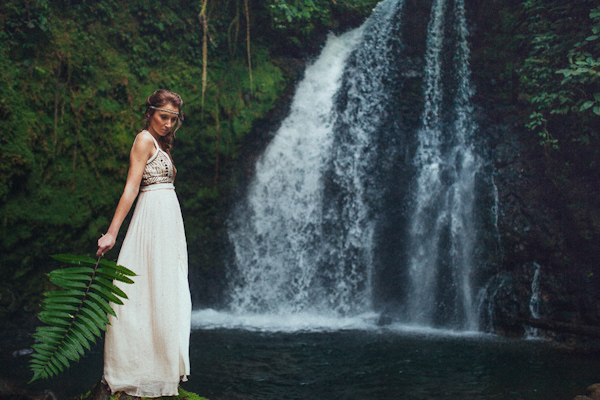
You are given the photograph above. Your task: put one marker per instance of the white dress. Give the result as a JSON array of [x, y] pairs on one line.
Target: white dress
[[146, 351]]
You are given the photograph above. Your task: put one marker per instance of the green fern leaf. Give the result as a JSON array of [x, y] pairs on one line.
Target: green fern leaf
[[67, 284], [84, 331], [74, 344], [98, 311], [76, 315], [107, 273], [107, 294], [90, 325], [77, 260], [110, 286], [102, 303], [64, 295]]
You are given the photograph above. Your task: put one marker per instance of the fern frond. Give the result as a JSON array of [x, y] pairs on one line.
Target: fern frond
[[76, 315]]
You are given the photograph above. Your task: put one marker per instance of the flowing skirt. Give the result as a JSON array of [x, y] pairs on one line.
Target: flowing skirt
[[146, 351]]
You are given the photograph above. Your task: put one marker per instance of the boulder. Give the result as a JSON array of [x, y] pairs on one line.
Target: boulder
[[593, 391]]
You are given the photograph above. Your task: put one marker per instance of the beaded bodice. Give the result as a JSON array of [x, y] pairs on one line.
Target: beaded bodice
[[159, 168]]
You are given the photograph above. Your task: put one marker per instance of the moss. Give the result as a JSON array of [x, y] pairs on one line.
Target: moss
[[183, 395], [100, 392]]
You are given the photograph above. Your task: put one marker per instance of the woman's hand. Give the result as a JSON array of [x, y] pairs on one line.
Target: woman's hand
[[105, 243]]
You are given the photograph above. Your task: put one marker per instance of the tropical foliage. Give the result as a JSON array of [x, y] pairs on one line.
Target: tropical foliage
[[77, 314], [561, 75]]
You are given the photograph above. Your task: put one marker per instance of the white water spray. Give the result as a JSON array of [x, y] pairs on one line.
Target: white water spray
[[294, 254], [442, 232], [534, 302]]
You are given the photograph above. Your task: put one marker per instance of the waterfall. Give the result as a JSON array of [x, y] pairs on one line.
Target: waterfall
[[293, 252], [276, 233], [534, 302], [496, 212], [441, 234], [307, 237]]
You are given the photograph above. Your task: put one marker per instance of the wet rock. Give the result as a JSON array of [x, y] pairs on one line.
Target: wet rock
[[593, 391], [22, 352], [10, 391], [100, 391]]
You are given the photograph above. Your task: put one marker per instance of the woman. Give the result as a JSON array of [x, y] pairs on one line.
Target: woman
[[146, 350]]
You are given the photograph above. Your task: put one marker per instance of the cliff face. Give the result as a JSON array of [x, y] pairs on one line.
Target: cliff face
[[545, 210]]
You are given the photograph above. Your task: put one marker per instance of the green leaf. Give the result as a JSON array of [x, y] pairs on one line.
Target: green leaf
[[102, 291], [76, 315], [68, 351], [97, 320], [81, 339], [69, 294], [67, 284], [586, 105], [73, 270], [110, 274], [119, 268], [48, 319], [76, 345], [84, 331], [51, 367], [102, 303], [61, 300], [57, 364], [72, 259], [61, 307], [99, 311], [62, 359], [90, 324], [43, 347], [111, 286]]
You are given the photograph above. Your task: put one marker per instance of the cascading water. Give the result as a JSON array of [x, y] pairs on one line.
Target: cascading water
[[308, 237], [442, 234], [534, 302], [295, 251], [277, 231]]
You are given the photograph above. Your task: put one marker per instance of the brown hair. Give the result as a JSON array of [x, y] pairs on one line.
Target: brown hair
[[160, 98]]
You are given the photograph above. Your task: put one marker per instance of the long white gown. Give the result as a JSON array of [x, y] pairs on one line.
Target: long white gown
[[146, 351]]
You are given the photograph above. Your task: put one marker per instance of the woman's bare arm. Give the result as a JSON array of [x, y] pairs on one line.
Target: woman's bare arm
[[142, 150]]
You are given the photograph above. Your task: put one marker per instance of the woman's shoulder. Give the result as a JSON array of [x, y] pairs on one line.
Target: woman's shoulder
[[144, 142], [145, 139]]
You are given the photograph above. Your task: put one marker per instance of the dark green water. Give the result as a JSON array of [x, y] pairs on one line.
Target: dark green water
[[380, 365], [239, 364]]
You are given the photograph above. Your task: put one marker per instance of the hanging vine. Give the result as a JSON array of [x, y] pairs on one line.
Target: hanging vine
[[218, 133], [204, 22], [248, 44]]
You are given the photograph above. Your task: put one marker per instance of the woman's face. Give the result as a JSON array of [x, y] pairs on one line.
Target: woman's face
[[162, 122]]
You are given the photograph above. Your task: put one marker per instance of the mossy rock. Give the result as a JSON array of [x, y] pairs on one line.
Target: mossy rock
[[183, 395], [101, 392]]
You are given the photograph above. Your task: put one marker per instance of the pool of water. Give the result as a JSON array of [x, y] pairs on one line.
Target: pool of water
[[238, 364], [359, 364]]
